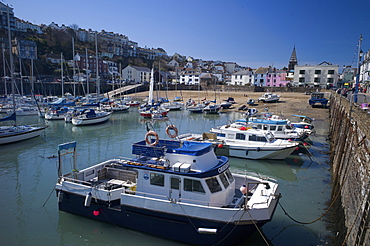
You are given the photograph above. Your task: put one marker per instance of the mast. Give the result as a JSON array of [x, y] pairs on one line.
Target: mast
[[74, 72], [97, 67], [11, 59], [151, 85], [5, 84], [359, 55], [87, 73], [61, 67]]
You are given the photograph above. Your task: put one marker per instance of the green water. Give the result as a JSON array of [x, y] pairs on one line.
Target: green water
[[29, 213]]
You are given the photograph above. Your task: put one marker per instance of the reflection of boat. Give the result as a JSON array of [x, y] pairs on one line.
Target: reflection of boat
[[165, 186], [269, 98], [277, 169], [90, 116]]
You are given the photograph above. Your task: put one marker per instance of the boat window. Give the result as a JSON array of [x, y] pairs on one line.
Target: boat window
[[265, 127], [224, 180], [272, 128], [270, 136], [221, 135], [229, 175], [213, 185], [259, 126], [230, 136], [193, 185], [252, 138], [156, 179], [175, 183], [240, 136], [288, 127], [280, 128]]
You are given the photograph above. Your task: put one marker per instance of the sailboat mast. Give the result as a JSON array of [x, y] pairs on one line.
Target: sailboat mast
[[61, 68], [87, 73], [151, 87], [97, 67], [5, 83], [74, 72], [11, 58]]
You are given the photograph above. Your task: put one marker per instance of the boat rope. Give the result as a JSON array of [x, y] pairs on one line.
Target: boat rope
[[258, 229], [187, 216], [312, 158]]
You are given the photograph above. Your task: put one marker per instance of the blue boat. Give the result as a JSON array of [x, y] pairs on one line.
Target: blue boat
[[178, 190], [318, 98]]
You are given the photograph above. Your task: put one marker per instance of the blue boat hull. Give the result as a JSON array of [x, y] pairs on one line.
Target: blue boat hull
[[175, 227]]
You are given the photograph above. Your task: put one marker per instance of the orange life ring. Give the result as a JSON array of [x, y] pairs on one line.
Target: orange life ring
[[148, 139], [173, 128]]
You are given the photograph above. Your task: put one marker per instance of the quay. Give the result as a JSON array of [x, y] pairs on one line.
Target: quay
[[350, 161]]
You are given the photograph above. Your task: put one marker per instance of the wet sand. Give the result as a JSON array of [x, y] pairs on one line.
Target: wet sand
[[289, 103]]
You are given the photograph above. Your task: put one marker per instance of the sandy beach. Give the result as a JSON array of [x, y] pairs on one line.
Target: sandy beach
[[289, 103]]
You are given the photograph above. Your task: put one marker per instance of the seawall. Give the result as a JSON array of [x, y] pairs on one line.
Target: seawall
[[350, 159]]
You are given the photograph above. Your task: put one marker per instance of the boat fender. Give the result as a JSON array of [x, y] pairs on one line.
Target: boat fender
[[60, 195], [243, 189], [207, 231], [172, 128], [246, 152], [88, 200], [258, 149], [148, 136]]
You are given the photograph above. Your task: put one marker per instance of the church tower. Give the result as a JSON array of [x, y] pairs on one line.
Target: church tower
[[293, 60]]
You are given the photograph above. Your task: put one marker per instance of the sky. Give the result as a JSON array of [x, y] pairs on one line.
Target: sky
[[252, 33]]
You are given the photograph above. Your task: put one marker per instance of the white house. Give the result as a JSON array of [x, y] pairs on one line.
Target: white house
[[190, 77], [173, 63], [323, 75], [244, 77], [136, 74]]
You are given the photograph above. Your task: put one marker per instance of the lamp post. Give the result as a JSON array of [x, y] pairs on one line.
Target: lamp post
[[360, 53]]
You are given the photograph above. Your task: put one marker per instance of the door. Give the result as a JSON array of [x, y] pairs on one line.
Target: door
[[175, 189]]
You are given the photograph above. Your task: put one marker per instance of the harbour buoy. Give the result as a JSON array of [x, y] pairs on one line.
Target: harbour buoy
[[220, 145], [96, 212], [305, 144]]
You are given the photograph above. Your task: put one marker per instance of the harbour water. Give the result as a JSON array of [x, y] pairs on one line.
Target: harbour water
[[29, 212]]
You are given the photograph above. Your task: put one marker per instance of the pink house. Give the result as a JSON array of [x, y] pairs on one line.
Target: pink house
[[277, 78]]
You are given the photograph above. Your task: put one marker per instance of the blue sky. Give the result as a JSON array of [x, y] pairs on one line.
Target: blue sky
[[250, 33]]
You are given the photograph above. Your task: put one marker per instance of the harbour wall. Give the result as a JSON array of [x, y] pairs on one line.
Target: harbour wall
[[350, 159]]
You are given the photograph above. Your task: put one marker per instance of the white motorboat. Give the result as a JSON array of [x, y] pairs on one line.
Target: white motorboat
[[91, 116], [177, 190], [243, 142], [172, 105], [269, 98], [56, 113]]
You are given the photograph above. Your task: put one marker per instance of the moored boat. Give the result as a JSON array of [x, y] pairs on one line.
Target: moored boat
[[178, 190], [91, 116]]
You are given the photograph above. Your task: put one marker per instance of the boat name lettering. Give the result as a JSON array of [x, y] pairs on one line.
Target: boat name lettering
[[223, 168]]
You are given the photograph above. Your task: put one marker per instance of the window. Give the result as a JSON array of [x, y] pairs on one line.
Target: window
[[265, 127], [317, 71], [272, 128], [330, 80], [224, 180], [213, 185], [193, 185], [175, 183], [316, 80], [330, 71], [156, 179], [229, 175], [302, 71], [240, 136], [221, 135], [301, 80], [280, 128]]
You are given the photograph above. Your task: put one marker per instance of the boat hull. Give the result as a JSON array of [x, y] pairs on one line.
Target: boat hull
[[172, 226], [90, 121], [261, 152], [21, 135]]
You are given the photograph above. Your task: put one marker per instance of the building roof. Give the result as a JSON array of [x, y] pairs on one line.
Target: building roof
[[141, 69]]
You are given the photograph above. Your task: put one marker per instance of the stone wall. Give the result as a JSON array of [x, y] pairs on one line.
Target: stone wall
[[350, 158]]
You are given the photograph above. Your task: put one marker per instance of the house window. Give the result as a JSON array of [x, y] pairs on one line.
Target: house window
[[302, 71], [317, 71], [330, 80], [301, 79], [330, 71], [316, 80]]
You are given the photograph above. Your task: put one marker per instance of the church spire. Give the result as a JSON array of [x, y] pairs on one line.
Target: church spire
[[293, 60]]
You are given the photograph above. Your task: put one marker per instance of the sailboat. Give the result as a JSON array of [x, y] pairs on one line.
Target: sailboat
[[151, 110], [15, 133]]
